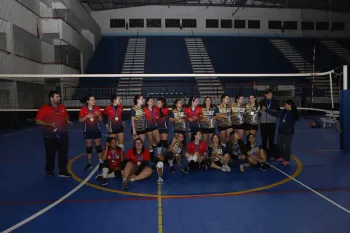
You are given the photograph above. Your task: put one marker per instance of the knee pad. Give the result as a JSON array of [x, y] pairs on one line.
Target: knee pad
[[164, 143], [169, 155], [121, 146], [98, 149], [123, 164], [117, 173], [89, 150], [160, 164]]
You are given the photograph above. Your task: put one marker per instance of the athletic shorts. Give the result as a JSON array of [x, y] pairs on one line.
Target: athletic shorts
[[241, 126], [117, 173], [223, 128], [208, 130], [150, 130], [117, 130], [251, 127], [165, 131], [92, 135]]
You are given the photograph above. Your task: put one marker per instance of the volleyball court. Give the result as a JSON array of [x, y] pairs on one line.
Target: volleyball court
[[308, 195]]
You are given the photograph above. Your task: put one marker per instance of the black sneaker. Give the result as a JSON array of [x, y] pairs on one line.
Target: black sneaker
[[100, 166], [98, 177], [88, 167], [65, 174], [264, 167], [50, 174], [172, 169], [184, 170], [104, 182]]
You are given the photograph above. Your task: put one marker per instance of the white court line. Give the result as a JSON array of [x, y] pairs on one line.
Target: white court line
[[53, 204], [9, 134], [312, 190]]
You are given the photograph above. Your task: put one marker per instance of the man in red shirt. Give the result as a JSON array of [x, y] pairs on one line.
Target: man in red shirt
[[53, 118]]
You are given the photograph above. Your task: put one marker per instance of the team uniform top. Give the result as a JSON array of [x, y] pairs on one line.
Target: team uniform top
[[51, 114], [138, 158], [237, 114], [239, 148], [223, 116], [179, 120], [252, 114], [177, 148], [91, 124], [207, 119], [114, 157], [220, 150], [114, 116], [254, 149], [152, 116], [161, 121], [139, 118], [190, 113], [201, 148]]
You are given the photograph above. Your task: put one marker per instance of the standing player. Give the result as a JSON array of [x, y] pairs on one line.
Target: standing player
[[237, 115], [207, 121], [113, 119], [53, 118], [138, 119], [193, 114], [196, 152], [162, 124], [112, 160], [152, 115], [91, 115], [136, 167], [177, 115], [224, 119], [252, 116]]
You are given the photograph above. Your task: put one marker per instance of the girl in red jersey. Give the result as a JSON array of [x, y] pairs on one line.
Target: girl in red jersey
[[193, 113], [136, 167], [152, 115], [238, 112], [113, 119], [196, 152], [138, 122], [91, 115], [162, 124], [112, 160], [208, 119]]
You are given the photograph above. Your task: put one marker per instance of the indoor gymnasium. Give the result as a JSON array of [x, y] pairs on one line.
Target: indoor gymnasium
[[208, 116]]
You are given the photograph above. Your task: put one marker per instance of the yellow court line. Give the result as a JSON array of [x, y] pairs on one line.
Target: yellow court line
[[160, 210], [294, 175]]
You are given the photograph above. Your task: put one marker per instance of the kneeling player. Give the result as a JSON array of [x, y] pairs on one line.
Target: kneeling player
[[256, 154], [112, 158], [174, 150], [136, 167], [219, 155]]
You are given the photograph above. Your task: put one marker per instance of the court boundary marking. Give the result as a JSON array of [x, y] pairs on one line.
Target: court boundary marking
[[160, 209], [312, 190], [47, 208], [242, 192]]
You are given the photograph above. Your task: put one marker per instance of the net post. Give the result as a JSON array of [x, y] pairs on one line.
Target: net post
[[331, 86], [345, 77]]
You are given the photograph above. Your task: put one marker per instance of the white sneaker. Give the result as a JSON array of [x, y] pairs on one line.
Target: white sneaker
[[160, 180], [227, 168]]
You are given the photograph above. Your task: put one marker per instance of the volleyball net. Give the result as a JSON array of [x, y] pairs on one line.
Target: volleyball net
[[25, 93]]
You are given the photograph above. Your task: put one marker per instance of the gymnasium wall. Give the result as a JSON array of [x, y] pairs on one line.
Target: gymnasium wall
[[202, 13], [31, 31]]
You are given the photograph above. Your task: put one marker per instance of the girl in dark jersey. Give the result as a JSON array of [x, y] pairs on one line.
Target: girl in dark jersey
[[218, 154], [162, 123], [237, 149], [256, 154], [138, 119], [193, 114], [91, 115], [251, 117], [223, 117], [237, 115], [207, 121], [136, 167], [177, 115], [152, 115], [113, 119], [112, 160]]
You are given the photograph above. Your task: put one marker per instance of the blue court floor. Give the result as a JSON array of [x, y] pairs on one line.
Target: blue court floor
[[318, 200]]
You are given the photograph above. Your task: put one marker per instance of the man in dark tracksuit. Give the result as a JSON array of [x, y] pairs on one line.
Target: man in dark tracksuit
[[270, 111]]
